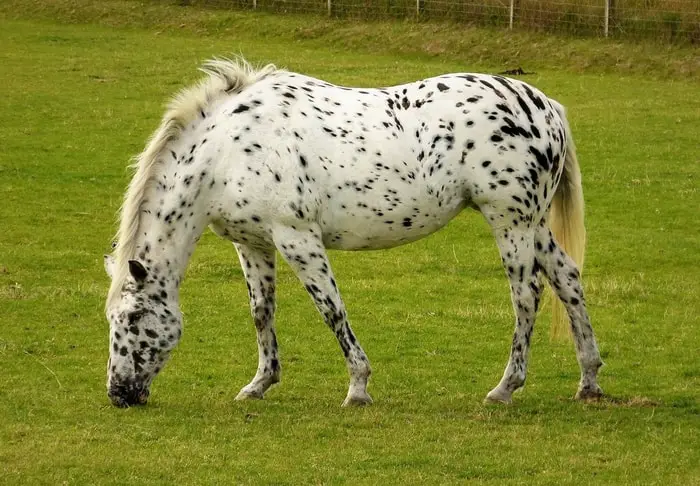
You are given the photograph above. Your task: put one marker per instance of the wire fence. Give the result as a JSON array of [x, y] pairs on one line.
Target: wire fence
[[667, 20]]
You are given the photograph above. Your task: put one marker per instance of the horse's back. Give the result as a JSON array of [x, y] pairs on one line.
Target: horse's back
[[380, 167]]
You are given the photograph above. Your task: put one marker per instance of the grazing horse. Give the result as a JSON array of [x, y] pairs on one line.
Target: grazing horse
[[274, 160]]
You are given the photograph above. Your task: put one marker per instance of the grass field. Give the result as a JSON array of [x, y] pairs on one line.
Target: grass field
[[661, 20], [81, 94]]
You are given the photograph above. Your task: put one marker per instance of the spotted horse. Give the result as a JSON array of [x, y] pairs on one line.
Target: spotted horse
[[273, 160]]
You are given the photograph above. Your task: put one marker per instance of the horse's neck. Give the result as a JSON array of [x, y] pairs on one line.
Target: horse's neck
[[172, 221]]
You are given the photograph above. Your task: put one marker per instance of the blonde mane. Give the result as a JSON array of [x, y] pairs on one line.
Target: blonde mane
[[224, 77]]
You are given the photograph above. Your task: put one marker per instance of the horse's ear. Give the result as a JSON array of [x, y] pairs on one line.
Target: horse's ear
[[137, 270], [109, 265]]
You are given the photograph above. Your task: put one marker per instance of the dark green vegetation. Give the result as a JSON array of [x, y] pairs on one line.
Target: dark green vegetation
[[661, 20], [301, 35], [79, 98]]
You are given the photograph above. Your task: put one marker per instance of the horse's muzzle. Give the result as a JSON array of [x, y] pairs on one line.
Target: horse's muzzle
[[127, 395]]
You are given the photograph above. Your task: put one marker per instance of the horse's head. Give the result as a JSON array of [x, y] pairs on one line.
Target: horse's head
[[145, 325]]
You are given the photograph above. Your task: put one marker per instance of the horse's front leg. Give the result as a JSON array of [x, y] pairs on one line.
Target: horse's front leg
[[259, 270], [305, 253]]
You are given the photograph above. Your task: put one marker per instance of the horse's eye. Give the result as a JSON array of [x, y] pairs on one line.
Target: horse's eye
[[135, 316]]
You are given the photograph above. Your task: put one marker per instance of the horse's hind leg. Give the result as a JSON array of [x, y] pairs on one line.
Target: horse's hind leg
[[518, 255], [305, 253], [565, 279], [259, 270]]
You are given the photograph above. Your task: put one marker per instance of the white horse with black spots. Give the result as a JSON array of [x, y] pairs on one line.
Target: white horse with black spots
[[273, 160]]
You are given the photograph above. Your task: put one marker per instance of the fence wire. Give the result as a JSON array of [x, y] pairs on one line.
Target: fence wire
[[668, 20]]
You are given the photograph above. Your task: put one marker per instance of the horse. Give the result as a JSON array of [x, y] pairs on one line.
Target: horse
[[277, 161]]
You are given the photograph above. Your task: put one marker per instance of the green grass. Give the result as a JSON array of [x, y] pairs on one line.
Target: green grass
[[661, 20], [463, 45], [80, 95]]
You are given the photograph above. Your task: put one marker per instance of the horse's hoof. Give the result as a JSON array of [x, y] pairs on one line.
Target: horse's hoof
[[357, 401], [589, 393], [497, 397]]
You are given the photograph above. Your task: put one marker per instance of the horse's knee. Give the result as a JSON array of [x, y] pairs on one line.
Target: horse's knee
[[262, 310]]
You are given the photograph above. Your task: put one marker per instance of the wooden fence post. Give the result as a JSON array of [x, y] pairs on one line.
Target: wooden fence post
[[609, 16], [330, 8], [606, 20], [511, 13]]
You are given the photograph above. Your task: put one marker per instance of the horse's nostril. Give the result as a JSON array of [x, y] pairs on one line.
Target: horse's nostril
[[142, 397]]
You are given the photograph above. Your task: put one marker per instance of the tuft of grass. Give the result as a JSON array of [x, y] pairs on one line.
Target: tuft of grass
[[82, 91]]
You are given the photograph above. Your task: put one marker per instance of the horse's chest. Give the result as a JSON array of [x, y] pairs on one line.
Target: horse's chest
[[243, 230]]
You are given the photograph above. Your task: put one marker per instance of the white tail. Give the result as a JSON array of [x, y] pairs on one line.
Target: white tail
[[566, 221]]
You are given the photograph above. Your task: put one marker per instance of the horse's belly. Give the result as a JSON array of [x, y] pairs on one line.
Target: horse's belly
[[350, 230]]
